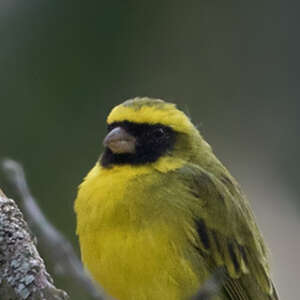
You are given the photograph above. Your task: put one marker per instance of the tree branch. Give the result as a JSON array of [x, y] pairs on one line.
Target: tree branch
[[59, 250], [22, 271]]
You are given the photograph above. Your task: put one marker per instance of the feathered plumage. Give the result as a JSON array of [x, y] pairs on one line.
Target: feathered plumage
[[156, 222]]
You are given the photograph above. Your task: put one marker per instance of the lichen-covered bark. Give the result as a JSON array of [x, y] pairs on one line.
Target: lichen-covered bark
[[22, 271]]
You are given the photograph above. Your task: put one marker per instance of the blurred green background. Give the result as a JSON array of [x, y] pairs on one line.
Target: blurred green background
[[232, 66]]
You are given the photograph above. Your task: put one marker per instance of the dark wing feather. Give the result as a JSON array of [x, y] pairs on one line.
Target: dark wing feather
[[227, 234]]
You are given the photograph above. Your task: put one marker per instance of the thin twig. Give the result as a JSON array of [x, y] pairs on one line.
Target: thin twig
[[59, 250]]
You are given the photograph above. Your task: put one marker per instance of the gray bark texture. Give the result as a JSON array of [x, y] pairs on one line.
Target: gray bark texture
[[23, 274]]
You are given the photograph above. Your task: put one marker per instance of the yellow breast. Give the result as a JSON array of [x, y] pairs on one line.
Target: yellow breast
[[132, 244]]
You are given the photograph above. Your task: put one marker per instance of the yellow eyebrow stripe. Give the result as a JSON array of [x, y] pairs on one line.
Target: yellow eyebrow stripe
[[166, 114]]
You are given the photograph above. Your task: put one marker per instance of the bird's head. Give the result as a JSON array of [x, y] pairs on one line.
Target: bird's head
[[143, 130]]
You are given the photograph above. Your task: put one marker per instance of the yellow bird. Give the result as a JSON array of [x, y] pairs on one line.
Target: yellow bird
[[159, 213]]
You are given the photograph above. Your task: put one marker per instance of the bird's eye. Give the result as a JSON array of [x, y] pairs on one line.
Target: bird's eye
[[159, 132]]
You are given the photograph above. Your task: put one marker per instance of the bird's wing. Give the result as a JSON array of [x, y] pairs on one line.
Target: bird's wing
[[227, 235]]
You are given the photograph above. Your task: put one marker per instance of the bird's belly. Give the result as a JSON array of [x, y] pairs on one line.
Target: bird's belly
[[144, 264], [133, 242]]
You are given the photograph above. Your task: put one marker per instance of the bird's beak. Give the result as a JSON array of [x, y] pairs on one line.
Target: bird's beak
[[118, 140]]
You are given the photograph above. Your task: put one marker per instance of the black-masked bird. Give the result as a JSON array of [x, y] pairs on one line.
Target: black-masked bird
[[159, 213]]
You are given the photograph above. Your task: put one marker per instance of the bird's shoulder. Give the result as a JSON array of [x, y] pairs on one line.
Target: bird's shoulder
[[227, 234]]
